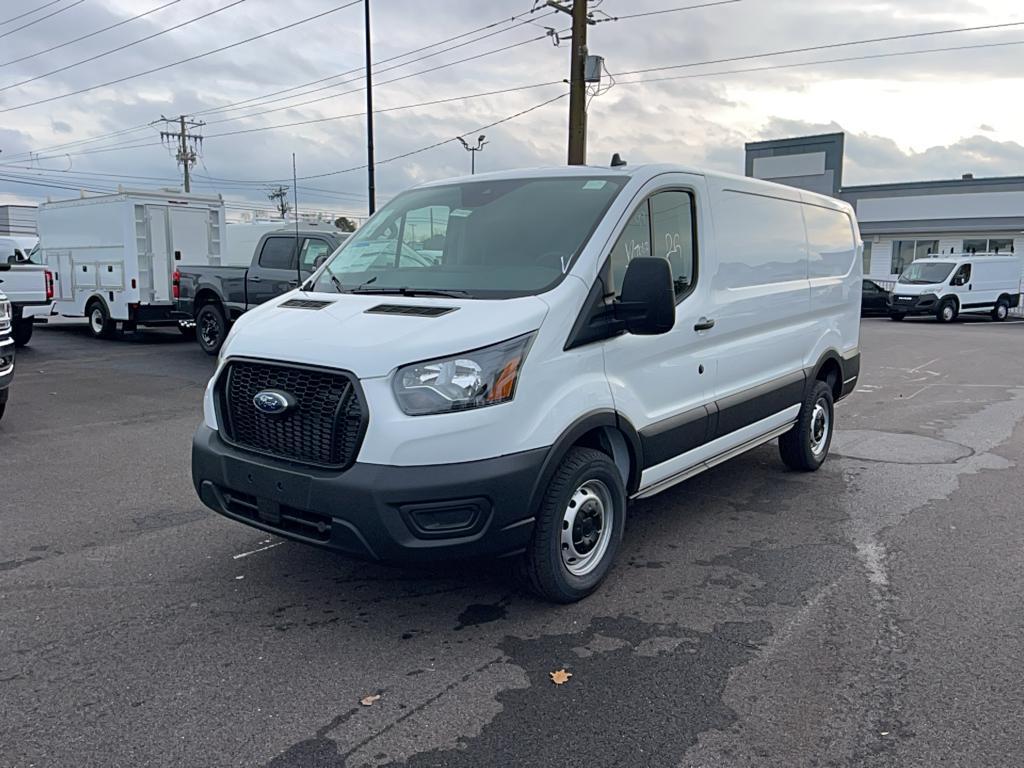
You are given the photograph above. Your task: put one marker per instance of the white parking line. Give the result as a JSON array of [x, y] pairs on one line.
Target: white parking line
[[253, 552]]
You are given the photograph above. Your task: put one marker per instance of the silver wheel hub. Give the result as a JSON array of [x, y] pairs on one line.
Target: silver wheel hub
[[587, 525], [1001, 311], [820, 423], [947, 312], [96, 319]]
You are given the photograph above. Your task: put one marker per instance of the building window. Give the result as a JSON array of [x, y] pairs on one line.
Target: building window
[[1003, 245], [904, 252], [867, 258]]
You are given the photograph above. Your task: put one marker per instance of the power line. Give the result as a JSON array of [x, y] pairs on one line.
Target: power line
[[666, 10], [865, 57], [383, 82], [42, 18], [66, 67], [230, 108], [226, 107], [29, 13], [185, 60], [91, 34], [807, 49]]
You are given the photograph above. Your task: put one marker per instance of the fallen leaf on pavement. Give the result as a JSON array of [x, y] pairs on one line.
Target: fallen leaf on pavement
[[560, 677], [368, 701]]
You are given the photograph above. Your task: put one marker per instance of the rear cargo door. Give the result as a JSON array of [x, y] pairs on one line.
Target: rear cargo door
[[159, 257]]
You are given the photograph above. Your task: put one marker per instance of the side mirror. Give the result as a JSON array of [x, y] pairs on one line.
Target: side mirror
[[647, 301], [319, 261]]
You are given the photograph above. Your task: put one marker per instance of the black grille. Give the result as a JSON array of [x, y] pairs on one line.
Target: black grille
[[407, 309], [324, 427]]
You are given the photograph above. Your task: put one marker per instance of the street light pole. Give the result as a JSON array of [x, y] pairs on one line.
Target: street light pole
[[371, 185], [473, 150]]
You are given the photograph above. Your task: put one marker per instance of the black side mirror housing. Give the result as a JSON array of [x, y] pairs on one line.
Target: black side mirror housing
[[647, 301], [319, 261]]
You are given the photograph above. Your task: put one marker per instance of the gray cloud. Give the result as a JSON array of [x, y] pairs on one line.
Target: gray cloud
[[702, 122]]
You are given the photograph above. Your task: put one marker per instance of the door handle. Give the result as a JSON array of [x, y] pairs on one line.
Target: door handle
[[255, 279], [704, 324]]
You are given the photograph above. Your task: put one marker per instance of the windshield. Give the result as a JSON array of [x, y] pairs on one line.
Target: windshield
[[479, 239], [925, 273]]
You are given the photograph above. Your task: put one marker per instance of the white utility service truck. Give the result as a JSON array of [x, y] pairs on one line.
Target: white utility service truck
[[113, 256]]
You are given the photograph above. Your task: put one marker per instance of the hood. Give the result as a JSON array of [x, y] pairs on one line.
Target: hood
[[345, 335], [913, 289]]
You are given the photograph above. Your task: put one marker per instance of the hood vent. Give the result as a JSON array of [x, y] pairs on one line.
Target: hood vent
[[305, 304], [407, 309]]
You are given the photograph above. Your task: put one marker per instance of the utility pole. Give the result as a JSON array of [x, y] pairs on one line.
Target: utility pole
[[473, 150], [187, 145], [370, 183], [577, 85], [279, 196]]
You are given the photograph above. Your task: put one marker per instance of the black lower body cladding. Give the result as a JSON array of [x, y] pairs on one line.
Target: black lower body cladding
[[371, 511]]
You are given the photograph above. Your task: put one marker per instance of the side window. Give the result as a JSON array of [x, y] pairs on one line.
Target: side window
[[312, 249], [962, 276], [672, 228], [277, 253], [662, 226], [832, 247]]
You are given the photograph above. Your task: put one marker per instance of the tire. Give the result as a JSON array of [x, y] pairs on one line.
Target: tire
[[896, 316], [100, 324], [1001, 310], [21, 331], [587, 481], [947, 311], [3, 407], [805, 446], [188, 331], [211, 328]]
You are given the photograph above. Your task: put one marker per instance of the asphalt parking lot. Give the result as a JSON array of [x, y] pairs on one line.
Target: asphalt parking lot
[[871, 614]]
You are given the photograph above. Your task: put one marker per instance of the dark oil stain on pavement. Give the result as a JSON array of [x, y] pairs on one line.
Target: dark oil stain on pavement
[[597, 717], [593, 718]]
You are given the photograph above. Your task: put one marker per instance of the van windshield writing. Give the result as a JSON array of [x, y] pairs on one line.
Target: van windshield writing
[[923, 273], [490, 238]]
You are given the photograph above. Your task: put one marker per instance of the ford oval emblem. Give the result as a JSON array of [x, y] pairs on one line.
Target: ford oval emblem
[[273, 402]]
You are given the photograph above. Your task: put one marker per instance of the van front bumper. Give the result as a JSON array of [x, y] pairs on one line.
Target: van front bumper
[[925, 304], [6, 367], [371, 511]]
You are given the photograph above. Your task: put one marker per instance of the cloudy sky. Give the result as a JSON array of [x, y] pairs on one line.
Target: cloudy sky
[[932, 115]]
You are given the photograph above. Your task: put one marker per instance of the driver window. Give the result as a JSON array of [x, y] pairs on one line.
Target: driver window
[[312, 249], [664, 220], [962, 276]]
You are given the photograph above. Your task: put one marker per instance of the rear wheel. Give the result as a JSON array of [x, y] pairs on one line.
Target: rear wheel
[[806, 445], [211, 328], [947, 311], [22, 331], [1001, 310], [579, 527], [100, 324]]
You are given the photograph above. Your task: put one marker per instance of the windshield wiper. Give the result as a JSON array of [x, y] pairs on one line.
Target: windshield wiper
[[337, 284], [451, 293]]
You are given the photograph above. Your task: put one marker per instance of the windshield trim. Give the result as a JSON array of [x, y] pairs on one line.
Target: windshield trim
[[481, 293]]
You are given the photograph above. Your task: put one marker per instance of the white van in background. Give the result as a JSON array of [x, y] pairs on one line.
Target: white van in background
[[946, 286], [113, 256], [585, 336]]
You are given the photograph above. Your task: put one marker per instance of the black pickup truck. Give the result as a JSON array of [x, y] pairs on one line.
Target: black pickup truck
[[214, 297]]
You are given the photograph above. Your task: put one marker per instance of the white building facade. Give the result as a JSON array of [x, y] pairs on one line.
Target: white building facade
[[905, 221]]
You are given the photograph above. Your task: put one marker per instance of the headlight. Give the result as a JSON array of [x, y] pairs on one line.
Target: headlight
[[5, 315], [471, 380]]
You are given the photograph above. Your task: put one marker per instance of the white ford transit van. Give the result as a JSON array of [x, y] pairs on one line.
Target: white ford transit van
[[945, 286], [571, 338]]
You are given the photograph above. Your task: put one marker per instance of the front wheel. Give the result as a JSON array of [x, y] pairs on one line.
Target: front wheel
[[806, 445], [578, 529], [22, 331], [1001, 310], [211, 328], [947, 311]]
